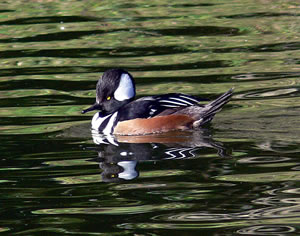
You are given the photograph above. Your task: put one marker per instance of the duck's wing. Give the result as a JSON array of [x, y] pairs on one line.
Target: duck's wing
[[175, 100], [151, 106]]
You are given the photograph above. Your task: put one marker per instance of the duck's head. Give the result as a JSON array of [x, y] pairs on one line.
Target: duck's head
[[115, 89]]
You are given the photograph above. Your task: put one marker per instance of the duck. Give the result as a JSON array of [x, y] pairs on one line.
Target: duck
[[119, 113]]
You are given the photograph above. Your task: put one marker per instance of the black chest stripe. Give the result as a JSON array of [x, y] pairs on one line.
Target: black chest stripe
[[104, 124]]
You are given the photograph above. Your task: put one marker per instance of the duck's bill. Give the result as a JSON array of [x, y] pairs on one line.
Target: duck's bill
[[96, 106]]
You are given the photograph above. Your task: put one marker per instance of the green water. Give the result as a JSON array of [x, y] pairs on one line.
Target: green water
[[237, 176]]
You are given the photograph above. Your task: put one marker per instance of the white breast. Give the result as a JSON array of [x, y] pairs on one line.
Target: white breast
[[98, 120]]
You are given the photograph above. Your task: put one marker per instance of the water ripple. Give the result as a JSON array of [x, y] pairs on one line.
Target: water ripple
[[262, 177], [200, 31], [263, 160], [96, 52], [58, 36], [276, 230], [263, 213], [184, 185], [259, 14], [270, 93], [49, 20], [141, 209], [273, 47], [92, 69]]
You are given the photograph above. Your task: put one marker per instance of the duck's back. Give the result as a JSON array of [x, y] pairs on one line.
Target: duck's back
[[163, 115]]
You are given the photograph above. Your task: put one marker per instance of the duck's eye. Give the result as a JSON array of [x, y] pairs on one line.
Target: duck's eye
[[108, 98]]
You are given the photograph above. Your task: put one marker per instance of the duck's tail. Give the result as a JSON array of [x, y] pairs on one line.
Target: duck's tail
[[208, 111]]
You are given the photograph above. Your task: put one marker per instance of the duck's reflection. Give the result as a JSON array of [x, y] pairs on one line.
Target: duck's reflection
[[118, 155]]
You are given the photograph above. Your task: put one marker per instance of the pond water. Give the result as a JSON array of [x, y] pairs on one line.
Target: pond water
[[239, 175]]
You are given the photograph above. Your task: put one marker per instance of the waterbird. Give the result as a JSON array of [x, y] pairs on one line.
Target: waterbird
[[121, 114]]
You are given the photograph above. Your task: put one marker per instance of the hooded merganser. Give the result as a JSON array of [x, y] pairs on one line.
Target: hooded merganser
[[121, 114]]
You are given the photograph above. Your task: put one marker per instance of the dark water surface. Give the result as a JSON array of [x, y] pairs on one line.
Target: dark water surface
[[237, 176]]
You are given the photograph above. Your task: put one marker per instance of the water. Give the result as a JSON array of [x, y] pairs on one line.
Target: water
[[237, 176]]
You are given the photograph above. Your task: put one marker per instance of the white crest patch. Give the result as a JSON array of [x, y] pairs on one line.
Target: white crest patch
[[125, 89]]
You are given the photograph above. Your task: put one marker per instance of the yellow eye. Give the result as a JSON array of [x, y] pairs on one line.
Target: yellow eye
[[108, 98]]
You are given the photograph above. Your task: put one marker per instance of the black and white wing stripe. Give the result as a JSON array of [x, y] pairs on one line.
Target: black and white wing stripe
[[174, 100], [151, 106]]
